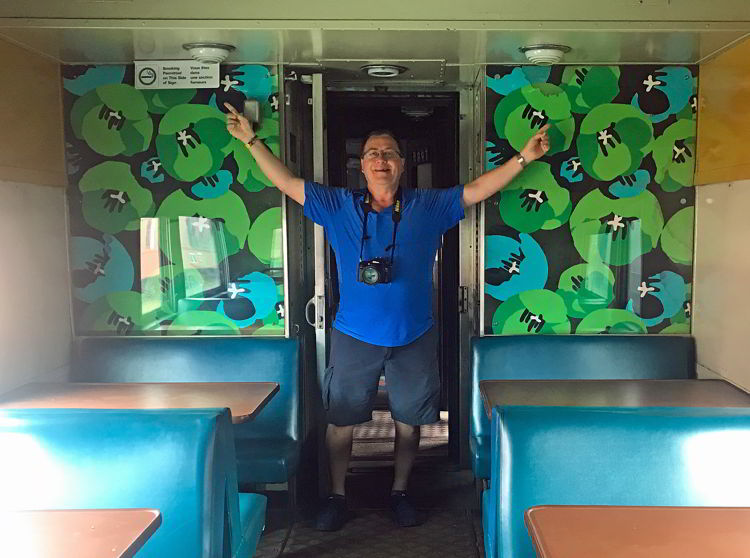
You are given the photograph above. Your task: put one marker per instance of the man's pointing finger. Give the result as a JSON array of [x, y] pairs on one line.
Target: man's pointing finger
[[231, 109]]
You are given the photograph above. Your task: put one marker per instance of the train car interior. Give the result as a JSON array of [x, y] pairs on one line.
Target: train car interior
[[170, 313]]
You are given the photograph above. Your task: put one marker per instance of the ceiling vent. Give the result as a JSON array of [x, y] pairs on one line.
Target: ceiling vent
[[545, 55], [383, 70], [208, 53]]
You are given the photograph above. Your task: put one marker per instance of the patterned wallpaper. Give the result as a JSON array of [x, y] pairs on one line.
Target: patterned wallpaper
[[174, 229], [597, 236]]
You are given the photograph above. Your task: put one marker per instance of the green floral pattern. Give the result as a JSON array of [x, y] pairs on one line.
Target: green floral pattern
[[613, 141], [193, 141], [113, 200], [522, 114], [113, 120], [157, 174], [535, 201], [586, 288], [616, 231], [590, 86], [674, 154], [596, 237], [531, 312]]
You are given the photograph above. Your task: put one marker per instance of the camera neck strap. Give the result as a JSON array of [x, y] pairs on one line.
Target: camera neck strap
[[395, 214]]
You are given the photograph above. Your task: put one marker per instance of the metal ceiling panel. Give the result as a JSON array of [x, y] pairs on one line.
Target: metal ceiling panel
[[388, 10], [89, 41]]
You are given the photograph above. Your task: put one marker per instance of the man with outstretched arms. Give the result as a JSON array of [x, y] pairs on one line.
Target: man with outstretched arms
[[385, 239]]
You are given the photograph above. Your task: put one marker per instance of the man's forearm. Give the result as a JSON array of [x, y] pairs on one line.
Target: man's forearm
[[491, 182], [270, 164], [277, 172]]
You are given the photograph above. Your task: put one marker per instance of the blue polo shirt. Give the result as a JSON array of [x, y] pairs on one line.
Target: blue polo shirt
[[396, 313]]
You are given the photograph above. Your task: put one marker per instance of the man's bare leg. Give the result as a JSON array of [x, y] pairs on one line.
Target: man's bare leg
[[332, 515], [339, 444], [407, 445]]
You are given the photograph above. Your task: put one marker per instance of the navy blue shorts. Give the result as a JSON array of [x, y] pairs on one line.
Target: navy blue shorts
[[412, 379]]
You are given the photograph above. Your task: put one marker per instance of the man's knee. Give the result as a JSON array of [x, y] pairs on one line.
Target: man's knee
[[346, 409]]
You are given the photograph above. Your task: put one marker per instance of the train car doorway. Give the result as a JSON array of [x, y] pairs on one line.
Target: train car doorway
[[427, 125]]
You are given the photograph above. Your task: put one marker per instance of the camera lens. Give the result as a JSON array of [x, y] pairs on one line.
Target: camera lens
[[370, 275]]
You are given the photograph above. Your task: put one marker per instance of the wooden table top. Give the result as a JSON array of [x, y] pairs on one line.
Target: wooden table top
[[76, 533], [612, 393], [638, 532], [244, 399]]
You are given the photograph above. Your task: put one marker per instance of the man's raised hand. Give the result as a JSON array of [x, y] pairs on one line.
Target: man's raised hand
[[238, 126], [537, 146]]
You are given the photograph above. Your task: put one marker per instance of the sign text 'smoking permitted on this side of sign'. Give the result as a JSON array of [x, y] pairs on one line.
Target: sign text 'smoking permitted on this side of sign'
[[175, 74]]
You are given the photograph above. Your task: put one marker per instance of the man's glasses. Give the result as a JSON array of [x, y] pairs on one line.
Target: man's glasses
[[387, 154]]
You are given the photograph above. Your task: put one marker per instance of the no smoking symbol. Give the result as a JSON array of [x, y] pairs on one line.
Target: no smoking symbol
[[147, 76]]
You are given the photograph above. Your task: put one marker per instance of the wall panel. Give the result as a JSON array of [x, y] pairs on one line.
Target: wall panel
[[597, 236], [174, 229], [35, 329], [724, 123], [722, 269], [31, 133]]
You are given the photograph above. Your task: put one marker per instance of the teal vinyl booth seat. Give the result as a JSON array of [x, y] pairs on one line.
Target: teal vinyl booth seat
[[268, 446], [568, 357], [650, 456], [180, 462]]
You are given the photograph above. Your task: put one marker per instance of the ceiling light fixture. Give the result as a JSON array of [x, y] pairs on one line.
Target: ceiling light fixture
[[417, 111], [545, 54], [209, 53], [383, 70]]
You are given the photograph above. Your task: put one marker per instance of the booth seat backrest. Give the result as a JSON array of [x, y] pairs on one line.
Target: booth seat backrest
[[604, 456], [575, 357], [202, 359], [179, 462]]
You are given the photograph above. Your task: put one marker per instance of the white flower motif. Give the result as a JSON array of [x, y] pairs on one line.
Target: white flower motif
[[616, 223], [234, 290], [645, 289], [228, 82], [119, 197], [604, 136], [650, 83], [537, 196], [183, 137]]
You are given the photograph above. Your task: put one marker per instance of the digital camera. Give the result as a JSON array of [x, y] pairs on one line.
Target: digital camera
[[372, 272]]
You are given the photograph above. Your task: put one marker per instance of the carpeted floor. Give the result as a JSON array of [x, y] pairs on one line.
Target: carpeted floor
[[453, 525], [372, 533]]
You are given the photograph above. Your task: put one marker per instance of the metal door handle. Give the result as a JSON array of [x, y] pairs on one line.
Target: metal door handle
[[319, 318], [310, 303]]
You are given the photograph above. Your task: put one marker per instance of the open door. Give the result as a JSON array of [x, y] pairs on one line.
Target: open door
[[305, 141], [319, 300], [304, 155]]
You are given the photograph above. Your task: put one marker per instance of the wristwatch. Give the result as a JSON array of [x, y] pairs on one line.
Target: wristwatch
[[521, 160]]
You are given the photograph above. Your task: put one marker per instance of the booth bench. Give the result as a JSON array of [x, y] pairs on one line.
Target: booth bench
[[648, 456], [568, 357], [268, 447], [180, 462]]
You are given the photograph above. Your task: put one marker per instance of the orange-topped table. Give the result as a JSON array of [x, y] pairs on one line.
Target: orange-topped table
[[76, 533], [638, 532], [244, 399], [612, 393]]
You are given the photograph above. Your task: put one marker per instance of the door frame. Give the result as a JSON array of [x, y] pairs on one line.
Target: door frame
[[471, 108]]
